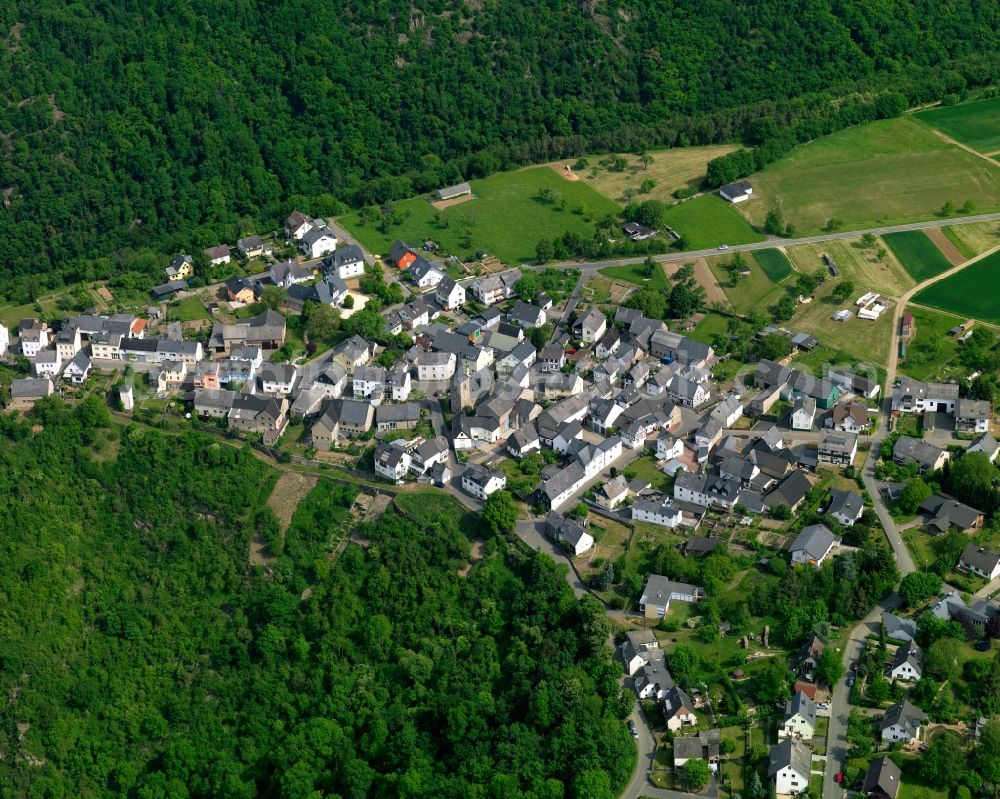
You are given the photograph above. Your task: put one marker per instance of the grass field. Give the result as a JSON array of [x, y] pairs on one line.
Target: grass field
[[886, 172], [862, 339], [855, 263], [708, 327], [504, 218], [976, 125], [635, 273], [188, 310], [757, 290], [970, 293], [709, 221], [917, 253], [774, 263], [674, 169], [929, 353], [975, 237]]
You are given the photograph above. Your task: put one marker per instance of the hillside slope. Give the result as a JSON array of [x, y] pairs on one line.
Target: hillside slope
[[164, 124]]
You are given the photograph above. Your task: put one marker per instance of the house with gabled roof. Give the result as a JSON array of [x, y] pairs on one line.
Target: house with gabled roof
[[845, 506], [297, 225], [944, 514], [789, 767], [925, 455], [898, 628], [392, 461], [980, 561], [678, 709], [973, 416], [882, 780], [591, 326], [659, 592], [849, 417], [907, 663], [987, 445], [450, 293], [813, 545], [252, 247], [900, 722], [790, 492], [637, 649], [800, 718], [318, 241], [424, 273], [568, 532]]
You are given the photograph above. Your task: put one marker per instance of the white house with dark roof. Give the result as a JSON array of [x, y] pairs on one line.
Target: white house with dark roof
[[907, 664], [348, 261], [813, 545], [297, 225], [678, 709], [392, 461], [980, 561], [803, 413], [591, 326], [789, 767], [925, 455], [987, 445], [900, 722], [736, 192], [845, 506], [661, 512], [912, 396], [973, 416], [47, 363], [318, 241], [480, 482], [800, 718], [425, 274], [569, 532], [450, 294]]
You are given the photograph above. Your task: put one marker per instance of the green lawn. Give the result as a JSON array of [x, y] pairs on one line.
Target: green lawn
[[636, 273], [970, 293], [886, 172], [189, 309], [505, 219], [709, 221], [974, 124], [645, 469], [774, 263], [917, 253], [929, 352], [708, 327], [756, 290], [862, 339]]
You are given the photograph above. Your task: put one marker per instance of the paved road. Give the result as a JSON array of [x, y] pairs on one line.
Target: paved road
[[774, 241]]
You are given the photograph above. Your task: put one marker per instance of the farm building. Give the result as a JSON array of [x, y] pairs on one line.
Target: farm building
[[736, 192], [451, 192], [842, 316], [638, 231]]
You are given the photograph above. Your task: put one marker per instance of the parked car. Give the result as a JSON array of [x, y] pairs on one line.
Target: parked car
[[723, 246], [633, 729], [823, 705], [850, 681]]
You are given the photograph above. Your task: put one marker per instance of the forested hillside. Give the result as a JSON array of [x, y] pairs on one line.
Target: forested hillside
[[175, 125], [142, 656]]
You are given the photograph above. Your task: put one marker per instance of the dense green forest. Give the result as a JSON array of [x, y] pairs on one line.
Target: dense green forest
[[142, 656], [174, 125]]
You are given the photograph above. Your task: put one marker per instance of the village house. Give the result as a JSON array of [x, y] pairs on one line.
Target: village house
[[392, 461], [980, 561], [737, 193], [25, 392], [317, 242], [678, 709], [47, 364], [911, 396], [789, 767], [252, 247], [973, 416], [427, 453], [845, 506], [435, 366], [803, 413], [800, 718], [907, 663], [401, 255], [68, 343], [900, 722], [78, 369], [987, 445], [217, 256], [341, 419], [897, 628], [278, 379], [450, 294], [244, 290], [264, 416], [703, 746], [945, 514], [265, 331], [813, 545], [404, 416], [882, 780], [662, 512], [288, 273], [568, 532], [591, 326], [34, 337], [213, 403], [297, 225], [838, 449], [368, 382], [659, 592], [480, 482], [925, 455], [849, 417], [347, 261], [181, 268], [637, 649]]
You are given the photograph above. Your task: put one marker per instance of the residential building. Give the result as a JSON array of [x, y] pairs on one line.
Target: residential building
[[265, 416], [265, 331], [907, 664], [4, 340], [973, 416], [790, 492], [47, 364], [392, 461], [524, 441], [569, 533], [347, 261], [900, 722], [401, 255], [428, 453], [849, 417], [289, 273], [480, 482], [278, 379], [68, 343], [591, 326], [925, 455], [882, 780], [425, 274], [252, 247], [552, 358], [678, 709], [450, 294], [317, 242], [813, 545], [897, 628], [789, 767], [944, 514], [800, 718], [803, 413], [980, 561], [526, 315], [404, 416], [369, 382], [181, 268], [244, 290], [656, 511], [297, 225], [911, 396], [435, 366], [652, 680], [987, 445], [838, 449], [660, 591], [341, 419], [79, 368], [638, 648], [34, 337], [217, 255], [24, 393], [703, 746], [213, 403], [845, 506]]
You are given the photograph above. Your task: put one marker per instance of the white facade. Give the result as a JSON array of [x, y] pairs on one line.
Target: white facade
[[316, 246], [789, 781], [905, 671], [4, 340], [452, 296], [49, 364], [33, 342], [668, 447], [436, 368], [481, 489], [661, 513], [394, 471], [401, 387], [66, 347], [797, 726], [278, 385]]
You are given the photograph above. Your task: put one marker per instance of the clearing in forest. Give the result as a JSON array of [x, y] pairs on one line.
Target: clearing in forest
[[288, 492], [888, 172], [670, 170]]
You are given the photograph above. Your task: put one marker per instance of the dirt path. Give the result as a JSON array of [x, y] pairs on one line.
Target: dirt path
[[288, 492], [965, 147], [946, 245], [441, 205]]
